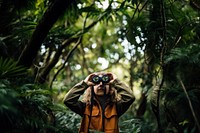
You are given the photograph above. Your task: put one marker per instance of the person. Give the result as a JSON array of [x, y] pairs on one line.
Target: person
[[104, 99]]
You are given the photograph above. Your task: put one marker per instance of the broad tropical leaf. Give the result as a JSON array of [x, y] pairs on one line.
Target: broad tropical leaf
[[10, 68]]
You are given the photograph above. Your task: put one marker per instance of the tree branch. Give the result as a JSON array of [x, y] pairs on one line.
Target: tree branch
[[190, 104], [45, 24], [66, 60], [53, 62]]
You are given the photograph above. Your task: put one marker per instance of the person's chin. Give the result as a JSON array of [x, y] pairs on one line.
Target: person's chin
[[100, 94]]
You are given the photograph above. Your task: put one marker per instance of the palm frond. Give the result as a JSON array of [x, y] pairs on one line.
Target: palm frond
[[188, 54], [10, 68]]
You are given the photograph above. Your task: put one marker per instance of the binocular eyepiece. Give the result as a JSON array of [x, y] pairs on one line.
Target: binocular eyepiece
[[97, 79]]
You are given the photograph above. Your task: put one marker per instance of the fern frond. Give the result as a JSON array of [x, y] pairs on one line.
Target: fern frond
[[10, 68], [189, 54]]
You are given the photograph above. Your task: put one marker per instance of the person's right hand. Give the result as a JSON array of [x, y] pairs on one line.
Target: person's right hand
[[88, 79]]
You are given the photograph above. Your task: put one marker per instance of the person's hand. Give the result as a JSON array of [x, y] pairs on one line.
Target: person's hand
[[88, 79], [112, 77]]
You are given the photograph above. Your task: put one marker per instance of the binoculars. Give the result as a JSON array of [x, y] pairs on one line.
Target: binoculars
[[97, 79]]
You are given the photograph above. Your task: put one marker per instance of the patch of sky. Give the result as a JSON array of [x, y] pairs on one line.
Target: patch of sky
[[129, 49], [94, 45], [43, 50], [104, 4], [77, 66], [86, 49], [104, 63]]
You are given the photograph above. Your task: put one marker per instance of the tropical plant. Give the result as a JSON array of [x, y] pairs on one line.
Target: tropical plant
[[146, 43], [10, 68]]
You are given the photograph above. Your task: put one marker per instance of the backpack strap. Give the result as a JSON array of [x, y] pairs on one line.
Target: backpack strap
[[91, 105]]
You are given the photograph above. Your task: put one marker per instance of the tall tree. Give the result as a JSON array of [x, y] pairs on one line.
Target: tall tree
[[53, 12]]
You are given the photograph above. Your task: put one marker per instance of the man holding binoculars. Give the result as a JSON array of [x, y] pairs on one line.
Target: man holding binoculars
[[104, 99]]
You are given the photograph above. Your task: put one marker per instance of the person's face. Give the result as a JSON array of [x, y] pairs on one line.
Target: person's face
[[99, 88]]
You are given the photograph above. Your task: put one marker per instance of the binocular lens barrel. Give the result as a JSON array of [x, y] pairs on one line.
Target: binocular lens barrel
[[97, 79]]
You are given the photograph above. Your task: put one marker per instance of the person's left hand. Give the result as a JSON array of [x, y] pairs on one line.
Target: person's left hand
[[112, 77]]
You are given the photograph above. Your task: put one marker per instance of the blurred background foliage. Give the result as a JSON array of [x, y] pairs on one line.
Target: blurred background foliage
[[47, 46]]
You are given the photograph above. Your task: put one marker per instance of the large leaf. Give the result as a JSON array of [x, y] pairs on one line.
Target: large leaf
[[10, 68]]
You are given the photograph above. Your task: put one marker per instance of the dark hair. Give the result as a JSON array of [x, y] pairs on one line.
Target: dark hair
[[114, 97]]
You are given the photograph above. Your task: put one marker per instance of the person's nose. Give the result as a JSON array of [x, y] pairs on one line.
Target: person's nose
[[101, 83]]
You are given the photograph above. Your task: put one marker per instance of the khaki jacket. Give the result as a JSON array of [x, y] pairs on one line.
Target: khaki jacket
[[112, 111]]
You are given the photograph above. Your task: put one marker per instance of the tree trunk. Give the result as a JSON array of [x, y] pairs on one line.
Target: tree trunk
[[156, 48], [49, 18]]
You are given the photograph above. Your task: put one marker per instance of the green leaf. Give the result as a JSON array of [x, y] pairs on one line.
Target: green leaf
[[10, 68]]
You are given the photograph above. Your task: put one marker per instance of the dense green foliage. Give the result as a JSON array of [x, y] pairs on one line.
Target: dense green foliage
[[46, 46]]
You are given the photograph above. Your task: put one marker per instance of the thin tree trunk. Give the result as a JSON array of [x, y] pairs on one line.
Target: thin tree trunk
[[156, 48], [53, 62]]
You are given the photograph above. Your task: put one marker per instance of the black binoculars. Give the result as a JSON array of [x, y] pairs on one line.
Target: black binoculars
[[97, 79]]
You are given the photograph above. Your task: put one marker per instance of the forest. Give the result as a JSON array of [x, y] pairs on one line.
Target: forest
[[47, 46]]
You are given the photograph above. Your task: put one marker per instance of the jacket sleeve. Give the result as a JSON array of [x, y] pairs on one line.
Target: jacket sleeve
[[71, 99], [126, 94]]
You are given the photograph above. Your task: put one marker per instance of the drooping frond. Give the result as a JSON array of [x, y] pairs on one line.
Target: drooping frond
[[189, 54], [10, 68]]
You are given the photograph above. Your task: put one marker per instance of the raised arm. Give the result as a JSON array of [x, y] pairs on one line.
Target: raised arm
[[71, 99], [127, 96]]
